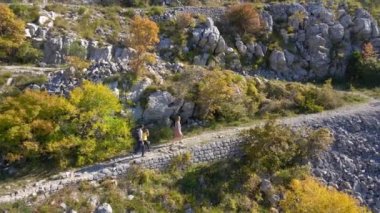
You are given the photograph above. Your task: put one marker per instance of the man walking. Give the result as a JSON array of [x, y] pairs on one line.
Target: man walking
[[140, 141]]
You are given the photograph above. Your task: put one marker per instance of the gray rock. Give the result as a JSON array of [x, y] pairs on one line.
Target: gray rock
[[241, 47], [266, 186], [277, 61], [362, 28], [267, 21], [104, 208], [55, 49], [187, 111], [124, 54], [165, 44], [336, 32], [32, 28], [346, 20], [138, 89], [207, 39], [259, 52], [201, 59], [161, 105], [98, 54], [46, 18], [63, 206]]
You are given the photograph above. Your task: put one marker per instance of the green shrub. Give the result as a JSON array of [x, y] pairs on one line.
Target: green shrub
[[159, 134], [363, 72], [274, 147], [76, 49], [180, 162], [23, 81], [26, 12], [4, 77], [299, 98], [156, 11], [36, 126], [82, 10], [57, 8], [62, 23], [136, 3], [26, 53]]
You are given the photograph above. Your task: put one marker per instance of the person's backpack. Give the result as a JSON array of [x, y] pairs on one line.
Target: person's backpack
[[135, 133]]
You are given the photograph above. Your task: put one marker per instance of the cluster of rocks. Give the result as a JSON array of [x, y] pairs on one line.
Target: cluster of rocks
[[63, 81], [208, 40], [353, 164], [319, 41], [316, 42], [38, 32], [161, 106]]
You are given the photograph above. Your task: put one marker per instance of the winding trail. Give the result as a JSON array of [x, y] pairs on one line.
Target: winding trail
[[163, 153]]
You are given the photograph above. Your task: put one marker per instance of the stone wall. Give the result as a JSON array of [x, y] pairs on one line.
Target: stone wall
[[207, 153]]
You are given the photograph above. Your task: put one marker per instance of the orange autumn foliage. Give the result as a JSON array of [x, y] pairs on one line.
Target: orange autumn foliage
[[245, 18], [143, 37]]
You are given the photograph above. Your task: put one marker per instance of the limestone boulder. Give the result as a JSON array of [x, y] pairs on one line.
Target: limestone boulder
[[207, 38], [97, 54], [336, 32], [161, 105], [138, 89], [277, 61], [104, 208]]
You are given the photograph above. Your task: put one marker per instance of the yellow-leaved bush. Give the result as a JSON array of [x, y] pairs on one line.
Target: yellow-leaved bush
[[12, 32], [75, 131], [310, 196]]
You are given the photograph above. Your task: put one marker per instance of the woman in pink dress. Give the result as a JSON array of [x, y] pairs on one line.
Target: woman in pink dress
[[177, 129]]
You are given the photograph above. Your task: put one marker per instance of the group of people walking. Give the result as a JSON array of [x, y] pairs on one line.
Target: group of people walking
[[143, 136]]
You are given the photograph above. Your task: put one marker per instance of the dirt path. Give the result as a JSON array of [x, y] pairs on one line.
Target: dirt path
[[120, 165], [14, 70]]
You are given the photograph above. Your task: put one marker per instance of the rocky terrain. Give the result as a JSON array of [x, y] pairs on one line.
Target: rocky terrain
[[300, 42], [314, 41], [297, 42], [351, 165]]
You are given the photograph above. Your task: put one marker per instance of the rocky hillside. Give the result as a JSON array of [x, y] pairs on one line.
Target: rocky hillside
[[294, 42], [299, 41]]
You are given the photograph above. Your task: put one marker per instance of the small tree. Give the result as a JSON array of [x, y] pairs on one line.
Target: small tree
[[143, 37], [12, 33], [245, 18]]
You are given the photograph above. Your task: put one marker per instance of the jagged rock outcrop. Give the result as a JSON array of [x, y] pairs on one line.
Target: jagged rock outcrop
[[138, 89], [55, 49], [161, 105], [319, 42], [96, 53], [207, 39]]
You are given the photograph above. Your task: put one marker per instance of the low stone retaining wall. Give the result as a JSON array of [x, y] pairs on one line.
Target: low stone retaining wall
[[207, 153]]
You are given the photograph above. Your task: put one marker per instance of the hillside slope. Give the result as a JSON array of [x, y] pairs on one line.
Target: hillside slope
[[351, 164]]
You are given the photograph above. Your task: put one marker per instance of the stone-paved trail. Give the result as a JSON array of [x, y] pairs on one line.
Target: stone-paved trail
[[205, 147]]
